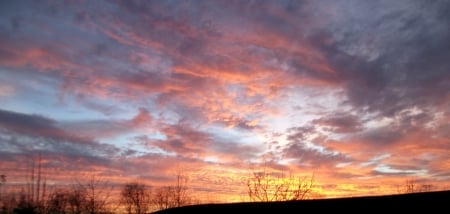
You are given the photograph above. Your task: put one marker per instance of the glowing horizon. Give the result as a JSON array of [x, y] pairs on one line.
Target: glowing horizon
[[354, 92]]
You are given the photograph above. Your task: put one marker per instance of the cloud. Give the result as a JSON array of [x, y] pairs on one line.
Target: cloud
[[199, 61], [110, 128], [27, 133], [6, 90], [382, 136], [387, 79], [29, 124], [310, 157], [388, 76], [302, 148], [185, 141], [340, 123]]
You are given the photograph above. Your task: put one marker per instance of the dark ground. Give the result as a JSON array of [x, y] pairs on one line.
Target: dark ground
[[426, 202]]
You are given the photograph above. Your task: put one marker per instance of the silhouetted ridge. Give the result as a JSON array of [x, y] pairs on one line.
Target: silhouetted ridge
[[412, 202]]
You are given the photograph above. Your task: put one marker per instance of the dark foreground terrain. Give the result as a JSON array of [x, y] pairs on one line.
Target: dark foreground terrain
[[429, 202]]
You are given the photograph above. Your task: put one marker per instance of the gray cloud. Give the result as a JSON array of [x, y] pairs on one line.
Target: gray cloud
[[405, 64], [340, 123], [302, 148], [24, 133], [382, 136], [312, 157]]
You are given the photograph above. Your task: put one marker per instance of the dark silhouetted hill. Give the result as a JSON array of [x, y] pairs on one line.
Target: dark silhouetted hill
[[428, 202]]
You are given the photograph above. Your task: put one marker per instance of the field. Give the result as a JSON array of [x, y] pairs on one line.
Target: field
[[429, 202]]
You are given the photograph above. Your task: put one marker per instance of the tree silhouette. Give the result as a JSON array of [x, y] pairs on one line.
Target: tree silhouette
[[180, 194], [162, 198], [272, 186], [76, 199], [97, 195], [32, 198], [2, 184], [176, 195], [2, 190], [58, 202], [412, 185], [135, 197]]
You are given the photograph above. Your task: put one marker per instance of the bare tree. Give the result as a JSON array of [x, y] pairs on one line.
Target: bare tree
[[135, 197], [9, 203], [2, 186], [265, 186], [58, 202], [426, 187], [76, 199], [180, 191], [3, 205], [97, 194], [162, 198], [88, 197], [412, 185], [176, 195], [32, 198]]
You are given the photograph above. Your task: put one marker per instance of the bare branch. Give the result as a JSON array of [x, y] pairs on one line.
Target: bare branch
[[265, 186]]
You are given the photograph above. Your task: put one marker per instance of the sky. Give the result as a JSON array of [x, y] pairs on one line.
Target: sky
[[356, 93]]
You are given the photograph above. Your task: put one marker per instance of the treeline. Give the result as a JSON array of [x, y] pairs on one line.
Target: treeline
[[94, 196], [91, 195]]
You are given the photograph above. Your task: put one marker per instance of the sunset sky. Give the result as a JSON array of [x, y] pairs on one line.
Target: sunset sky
[[355, 92]]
